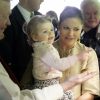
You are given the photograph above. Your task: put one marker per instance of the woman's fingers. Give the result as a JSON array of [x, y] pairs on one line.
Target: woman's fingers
[[86, 75]]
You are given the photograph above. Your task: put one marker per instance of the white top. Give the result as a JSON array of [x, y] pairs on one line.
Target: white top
[[47, 63], [10, 91]]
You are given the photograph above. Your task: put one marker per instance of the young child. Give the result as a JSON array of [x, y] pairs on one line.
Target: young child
[[47, 64]]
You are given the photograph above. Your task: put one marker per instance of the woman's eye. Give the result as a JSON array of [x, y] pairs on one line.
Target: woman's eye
[[66, 28], [76, 29]]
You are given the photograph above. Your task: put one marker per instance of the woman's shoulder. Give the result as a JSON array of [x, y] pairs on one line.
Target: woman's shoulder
[[81, 46]]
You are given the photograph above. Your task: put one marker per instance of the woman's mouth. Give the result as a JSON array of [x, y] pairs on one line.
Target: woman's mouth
[[69, 38]]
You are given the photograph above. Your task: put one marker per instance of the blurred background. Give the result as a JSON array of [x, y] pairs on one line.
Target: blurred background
[[55, 5]]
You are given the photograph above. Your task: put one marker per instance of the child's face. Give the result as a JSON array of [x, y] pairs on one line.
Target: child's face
[[45, 32]]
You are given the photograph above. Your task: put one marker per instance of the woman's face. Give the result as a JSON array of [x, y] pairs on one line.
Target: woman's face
[[91, 15], [4, 17], [70, 30]]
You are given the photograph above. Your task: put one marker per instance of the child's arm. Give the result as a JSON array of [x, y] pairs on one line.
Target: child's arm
[[52, 60]]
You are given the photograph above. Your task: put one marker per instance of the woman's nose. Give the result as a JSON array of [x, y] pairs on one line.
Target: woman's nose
[[71, 31]]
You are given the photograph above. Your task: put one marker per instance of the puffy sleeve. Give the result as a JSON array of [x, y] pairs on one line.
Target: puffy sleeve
[[52, 59]]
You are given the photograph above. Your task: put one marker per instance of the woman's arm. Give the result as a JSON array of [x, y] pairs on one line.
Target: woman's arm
[[86, 96], [91, 86], [56, 91], [77, 79]]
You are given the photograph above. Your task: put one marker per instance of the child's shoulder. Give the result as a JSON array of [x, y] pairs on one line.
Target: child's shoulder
[[43, 46]]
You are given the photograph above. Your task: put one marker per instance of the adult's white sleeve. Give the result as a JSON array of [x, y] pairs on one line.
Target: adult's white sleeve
[[11, 91]]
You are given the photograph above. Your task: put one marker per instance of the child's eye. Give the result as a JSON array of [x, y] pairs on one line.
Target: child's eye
[[45, 32]]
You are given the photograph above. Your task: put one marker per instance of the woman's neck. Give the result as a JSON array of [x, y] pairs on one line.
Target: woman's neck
[[65, 46]]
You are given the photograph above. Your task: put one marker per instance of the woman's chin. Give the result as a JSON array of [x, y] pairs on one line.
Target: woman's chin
[[69, 40], [69, 43]]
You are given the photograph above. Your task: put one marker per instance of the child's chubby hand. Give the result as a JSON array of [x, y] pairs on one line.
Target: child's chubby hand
[[84, 55]]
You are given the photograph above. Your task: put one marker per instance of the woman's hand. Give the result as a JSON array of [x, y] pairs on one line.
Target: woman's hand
[[77, 79]]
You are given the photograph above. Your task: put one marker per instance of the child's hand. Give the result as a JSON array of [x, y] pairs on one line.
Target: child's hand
[[84, 55]]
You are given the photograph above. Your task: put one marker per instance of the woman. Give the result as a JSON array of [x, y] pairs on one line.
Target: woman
[[70, 26]]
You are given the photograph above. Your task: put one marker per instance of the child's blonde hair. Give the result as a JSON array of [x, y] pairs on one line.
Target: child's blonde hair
[[32, 26]]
